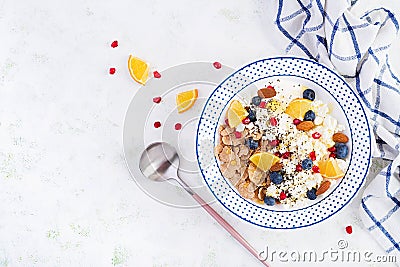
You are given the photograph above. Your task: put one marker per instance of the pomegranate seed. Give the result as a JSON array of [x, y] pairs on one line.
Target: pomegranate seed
[[299, 168], [157, 124], [278, 154], [157, 99], [349, 229], [178, 126], [312, 156], [296, 121], [286, 155], [273, 121], [332, 155], [315, 169], [238, 134], [246, 120], [227, 122], [112, 71], [316, 135], [282, 195], [114, 44], [332, 149], [270, 87], [156, 75], [217, 65], [263, 104], [274, 143]]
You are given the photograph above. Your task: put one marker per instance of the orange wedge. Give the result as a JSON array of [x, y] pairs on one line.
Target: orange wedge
[[298, 107], [138, 69], [264, 160], [236, 113], [186, 100], [330, 169]]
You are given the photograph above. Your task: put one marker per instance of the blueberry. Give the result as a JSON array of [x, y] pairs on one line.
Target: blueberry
[[306, 164], [252, 144], [256, 100], [341, 150], [312, 193], [276, 177], [270, 201], [309, 94], [309, 116], [252, 115]]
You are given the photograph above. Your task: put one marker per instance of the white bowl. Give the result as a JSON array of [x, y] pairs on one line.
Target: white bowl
[[329, 88]]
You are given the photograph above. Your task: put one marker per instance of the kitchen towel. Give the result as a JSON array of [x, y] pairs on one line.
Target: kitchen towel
[[353, 38]]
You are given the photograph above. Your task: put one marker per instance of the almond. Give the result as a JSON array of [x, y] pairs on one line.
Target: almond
[[340, 138], [305, 126], [266, 92], [323, 187], [276, 167]]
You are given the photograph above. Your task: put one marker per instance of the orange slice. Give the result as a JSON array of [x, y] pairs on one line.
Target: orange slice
[[330, 169], [138, 69], [298, 107], [186, 100], [264, 160], [236, 113]]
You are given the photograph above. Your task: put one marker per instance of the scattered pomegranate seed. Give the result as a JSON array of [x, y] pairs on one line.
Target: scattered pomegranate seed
[[157, 124], [332, 149], [273, 121], [156, 74], [114, 44], [278, 154], [178, 126], [286, 155], [263, 104], [349, 229], [316, 135], [332, 155], [112, 71], [313, 156], [282, 195], [296, 121], [157, 99], [299, 168], [246, 120], [238, 134], [274, 143], [217, 65], [315, 169]]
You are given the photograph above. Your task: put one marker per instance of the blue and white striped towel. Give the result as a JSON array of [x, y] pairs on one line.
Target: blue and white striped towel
[[354, 41]]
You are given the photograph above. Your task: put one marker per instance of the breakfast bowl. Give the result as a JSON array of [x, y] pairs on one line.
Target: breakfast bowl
[[283, 143]]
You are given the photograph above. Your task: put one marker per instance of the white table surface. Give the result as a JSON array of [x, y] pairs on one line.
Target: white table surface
[[66, 197]]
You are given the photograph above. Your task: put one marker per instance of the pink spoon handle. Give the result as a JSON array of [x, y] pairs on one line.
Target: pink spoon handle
[[228, 227]]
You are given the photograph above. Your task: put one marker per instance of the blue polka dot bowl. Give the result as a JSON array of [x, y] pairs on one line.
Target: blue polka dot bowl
[[330, 88]]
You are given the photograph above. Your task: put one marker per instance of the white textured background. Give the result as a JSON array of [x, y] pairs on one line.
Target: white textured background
[[66, 198]]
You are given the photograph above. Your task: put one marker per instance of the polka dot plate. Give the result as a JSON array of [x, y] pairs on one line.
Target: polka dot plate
[[331, 88]]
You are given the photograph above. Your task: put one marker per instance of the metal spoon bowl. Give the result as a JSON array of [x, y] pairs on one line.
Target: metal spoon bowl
[[160, 162]]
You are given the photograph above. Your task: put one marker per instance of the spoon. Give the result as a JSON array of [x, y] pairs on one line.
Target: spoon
[[160, 162]]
